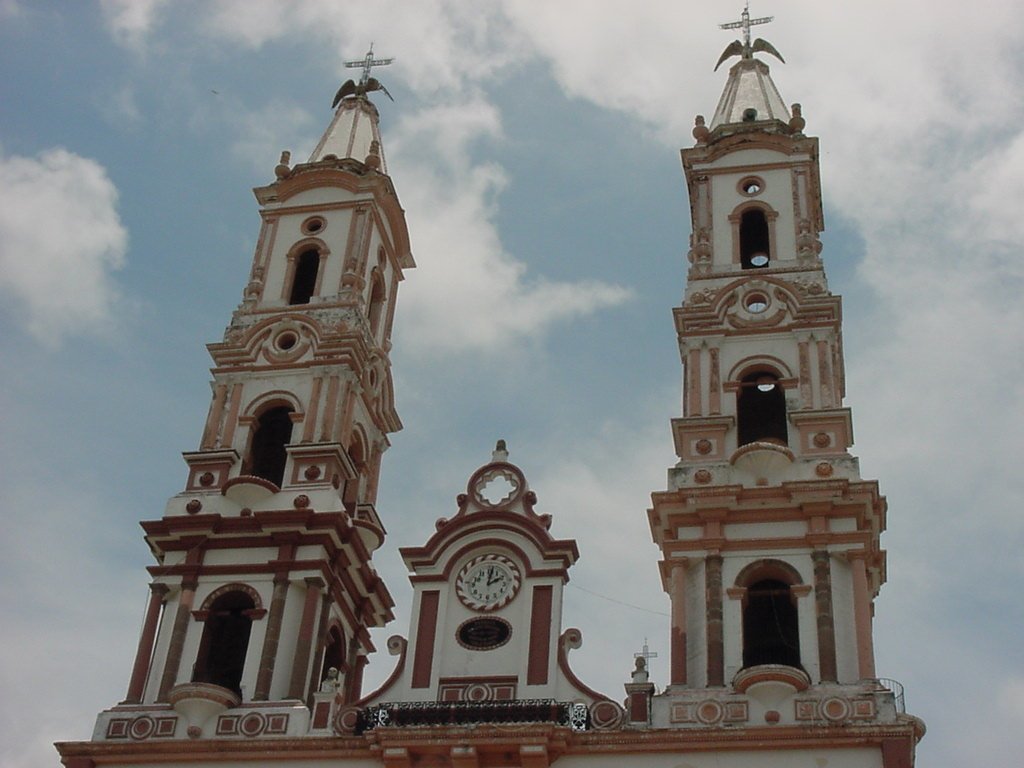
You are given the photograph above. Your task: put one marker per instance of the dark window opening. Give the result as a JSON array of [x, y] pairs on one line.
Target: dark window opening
[[376, 305], [754, 244], [225, 641], [268, 455], [484, 634], [770, 627], [334, 655], [761, 409], [304, 279]]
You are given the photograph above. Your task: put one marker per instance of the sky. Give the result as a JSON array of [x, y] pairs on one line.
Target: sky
[[534, 146]]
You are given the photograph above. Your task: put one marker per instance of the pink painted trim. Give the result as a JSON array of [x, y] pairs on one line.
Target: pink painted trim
[[540, 635], [573, 638], [426, 629]]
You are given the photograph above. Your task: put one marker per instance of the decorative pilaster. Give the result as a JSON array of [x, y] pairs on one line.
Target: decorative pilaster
[[269, 655], [823, 614], [177, 644], [713, 603], [305, 642], [678, 648], [862, 617], [140, 671]]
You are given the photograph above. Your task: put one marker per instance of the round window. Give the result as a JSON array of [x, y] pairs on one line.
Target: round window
[[313, 224], [756, 303], [286, 340], [751, 186]]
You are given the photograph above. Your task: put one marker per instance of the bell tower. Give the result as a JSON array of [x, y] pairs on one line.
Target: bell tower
[[768, 533], [264, 578]]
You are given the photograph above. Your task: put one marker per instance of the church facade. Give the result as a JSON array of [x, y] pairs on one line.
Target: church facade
[[256, 634]]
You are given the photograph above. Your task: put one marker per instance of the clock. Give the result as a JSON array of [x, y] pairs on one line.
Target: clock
[[488, 582]]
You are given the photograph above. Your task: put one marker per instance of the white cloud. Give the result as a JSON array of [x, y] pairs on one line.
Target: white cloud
[[438, 44], [265, 132], [470, 295], [60, 241], [130, 21]]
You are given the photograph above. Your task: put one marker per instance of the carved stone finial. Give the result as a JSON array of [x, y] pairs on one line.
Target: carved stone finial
[[500, 451], [797, 122], [282, 169], [700, 130], [373, 158]]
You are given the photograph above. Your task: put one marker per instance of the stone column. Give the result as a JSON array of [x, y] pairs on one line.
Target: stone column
[[823, 615], [678, 640], [177, 644], [305, 642], [862, 617], [269, 655], [321, 642], [713, 613], [140, 671]]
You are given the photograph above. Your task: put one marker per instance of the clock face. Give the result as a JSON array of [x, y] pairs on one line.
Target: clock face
[[488, 582]]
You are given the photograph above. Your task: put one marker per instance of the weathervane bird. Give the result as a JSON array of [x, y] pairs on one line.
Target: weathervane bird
[[351, 88], [747, 50]]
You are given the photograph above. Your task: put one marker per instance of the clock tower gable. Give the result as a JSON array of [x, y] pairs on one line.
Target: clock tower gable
[[486, 627]]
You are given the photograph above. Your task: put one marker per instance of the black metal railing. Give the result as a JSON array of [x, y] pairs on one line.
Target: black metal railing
[[897, 690], [435, 713]]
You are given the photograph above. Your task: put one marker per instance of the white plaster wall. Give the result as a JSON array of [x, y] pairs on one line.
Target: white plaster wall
[[289, 232], [287, 644], [742, 531], [843, 613], [777, 193], [237, 557], [696, 627], [833, 758]]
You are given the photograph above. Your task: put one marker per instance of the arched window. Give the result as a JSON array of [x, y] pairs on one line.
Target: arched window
[[770, 627], [761, 409], [304, 279], [225, 641], [334, 655], [376, 309], [755, 248], [353, 486], [267, 456]]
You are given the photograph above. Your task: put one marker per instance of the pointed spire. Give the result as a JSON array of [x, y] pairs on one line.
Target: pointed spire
[[355, 130]]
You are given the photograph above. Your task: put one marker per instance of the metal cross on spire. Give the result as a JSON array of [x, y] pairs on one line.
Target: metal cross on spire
[[368, 63], [745, 23], [646, 654]]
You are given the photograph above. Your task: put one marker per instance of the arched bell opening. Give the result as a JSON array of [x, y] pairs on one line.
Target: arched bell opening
[[770, 625], [375, 311], [225, 641], [267, 453], [354, 486], [755, 239], [761, 409], [307, 266], [334, 653]]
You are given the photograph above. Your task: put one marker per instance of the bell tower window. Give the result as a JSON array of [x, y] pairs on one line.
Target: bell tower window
[[304, 281], [376, 310], [761, 409], [770, 627], [225, 642], [267, 456], [334, 654], [754, 240]]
